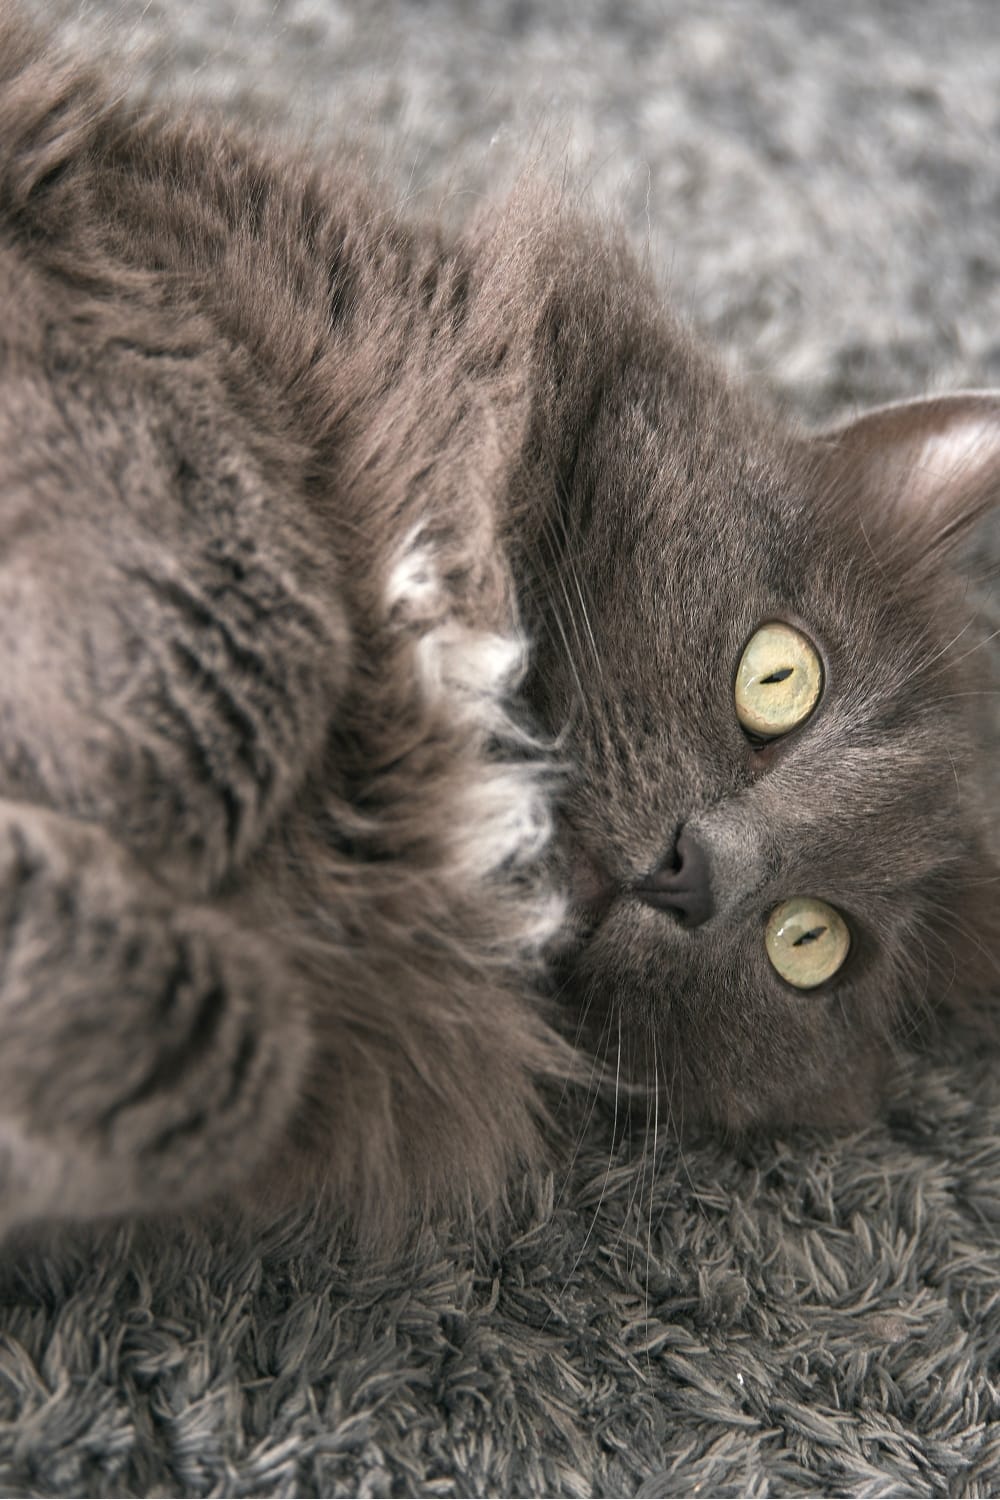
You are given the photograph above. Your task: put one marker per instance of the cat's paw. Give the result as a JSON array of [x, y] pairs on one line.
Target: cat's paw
[[149, 1053]]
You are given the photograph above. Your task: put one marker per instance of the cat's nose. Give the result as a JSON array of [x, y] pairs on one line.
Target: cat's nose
[[683, 885]]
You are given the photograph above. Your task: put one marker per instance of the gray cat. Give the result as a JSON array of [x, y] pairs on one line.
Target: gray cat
[[429, 679]]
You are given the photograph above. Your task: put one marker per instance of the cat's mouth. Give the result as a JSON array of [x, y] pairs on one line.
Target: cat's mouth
[[591, 888]]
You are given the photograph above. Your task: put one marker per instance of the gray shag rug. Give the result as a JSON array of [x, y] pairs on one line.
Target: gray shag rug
[[813, 1315]]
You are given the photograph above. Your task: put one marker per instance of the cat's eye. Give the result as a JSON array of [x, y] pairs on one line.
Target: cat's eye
[[807, 941], [778, 681]]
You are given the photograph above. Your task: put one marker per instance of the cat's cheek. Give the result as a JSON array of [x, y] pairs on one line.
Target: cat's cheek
[[734, 1046], [841, 1097]]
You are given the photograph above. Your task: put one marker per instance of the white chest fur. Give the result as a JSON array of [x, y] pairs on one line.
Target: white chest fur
[[501, 777]]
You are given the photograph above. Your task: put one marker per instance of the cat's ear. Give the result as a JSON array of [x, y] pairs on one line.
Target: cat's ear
[[922, 472]]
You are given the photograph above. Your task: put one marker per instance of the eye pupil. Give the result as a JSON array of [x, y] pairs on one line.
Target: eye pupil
[[809, 937], [807, 941], [779, 681]]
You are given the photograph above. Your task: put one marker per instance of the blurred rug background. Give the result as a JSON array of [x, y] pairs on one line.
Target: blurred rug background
[[819, 188]]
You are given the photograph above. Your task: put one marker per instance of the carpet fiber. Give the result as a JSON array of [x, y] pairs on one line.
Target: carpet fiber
[[812, 1315]]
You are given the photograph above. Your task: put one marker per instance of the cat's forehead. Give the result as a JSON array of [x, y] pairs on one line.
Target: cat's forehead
[[730, 527]]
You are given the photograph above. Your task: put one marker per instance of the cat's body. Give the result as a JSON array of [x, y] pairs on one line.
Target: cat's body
[[372, 601]]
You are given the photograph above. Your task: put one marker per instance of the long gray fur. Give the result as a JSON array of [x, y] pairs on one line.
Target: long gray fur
[[815, 1315]]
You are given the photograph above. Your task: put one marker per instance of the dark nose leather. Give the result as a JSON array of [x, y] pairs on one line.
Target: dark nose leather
[[684, 886]]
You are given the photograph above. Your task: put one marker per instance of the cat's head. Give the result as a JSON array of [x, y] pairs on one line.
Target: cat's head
[[766, 666]]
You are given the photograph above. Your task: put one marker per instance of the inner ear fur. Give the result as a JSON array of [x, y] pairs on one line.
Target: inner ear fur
[[921, 472]]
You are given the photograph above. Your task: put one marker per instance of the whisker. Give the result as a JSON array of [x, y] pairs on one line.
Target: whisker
[[607, 1175], [949, 666], [922, 666], [594, 1090], [652, 1177]]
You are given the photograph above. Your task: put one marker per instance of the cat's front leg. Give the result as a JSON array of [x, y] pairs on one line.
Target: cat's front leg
[[172, 622], [150, 1054]]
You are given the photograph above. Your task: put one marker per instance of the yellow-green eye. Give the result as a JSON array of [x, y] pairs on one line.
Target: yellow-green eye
[[807, 941], [778, 681]]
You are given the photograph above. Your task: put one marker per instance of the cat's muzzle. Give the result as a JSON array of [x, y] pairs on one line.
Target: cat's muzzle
[[681, 885]]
